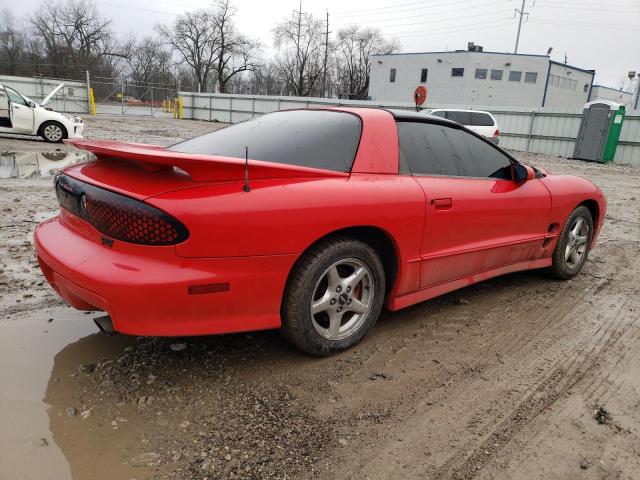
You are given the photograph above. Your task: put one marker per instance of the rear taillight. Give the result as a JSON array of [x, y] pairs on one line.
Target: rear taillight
[[496, 133], [119, 216]]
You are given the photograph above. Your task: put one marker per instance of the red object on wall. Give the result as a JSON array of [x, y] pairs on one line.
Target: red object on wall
[[420, 95]]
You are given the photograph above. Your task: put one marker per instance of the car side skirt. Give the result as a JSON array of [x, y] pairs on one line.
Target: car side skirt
[[403, 301]]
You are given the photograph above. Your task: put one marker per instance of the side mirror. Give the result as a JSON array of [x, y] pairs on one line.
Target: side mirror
[[32, 105], [522, 173]]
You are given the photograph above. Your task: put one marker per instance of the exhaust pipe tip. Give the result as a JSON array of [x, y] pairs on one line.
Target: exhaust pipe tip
[[105, 324]]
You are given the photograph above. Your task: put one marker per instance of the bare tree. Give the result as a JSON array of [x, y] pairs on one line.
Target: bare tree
[[12, 43], [194, 36], [236, 53], [354, 47], [148, 61], [73, 34], [300, 44]]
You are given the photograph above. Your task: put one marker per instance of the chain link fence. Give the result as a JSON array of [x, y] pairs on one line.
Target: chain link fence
[[122, 96]]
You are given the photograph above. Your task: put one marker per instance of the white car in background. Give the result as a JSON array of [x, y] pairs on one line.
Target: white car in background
[[482, 123], [21, 115]]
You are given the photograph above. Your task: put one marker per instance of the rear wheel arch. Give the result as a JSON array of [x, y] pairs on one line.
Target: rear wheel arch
[[381, 241]]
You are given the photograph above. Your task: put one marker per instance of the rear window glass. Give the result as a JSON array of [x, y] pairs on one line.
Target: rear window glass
[[307, 138], [481, 119]]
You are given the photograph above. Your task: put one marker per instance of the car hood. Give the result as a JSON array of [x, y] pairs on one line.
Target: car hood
[[48, 98]]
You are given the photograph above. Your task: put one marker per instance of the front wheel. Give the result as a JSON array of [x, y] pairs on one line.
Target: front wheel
[[333, 297], [573, 245], [53, 132]]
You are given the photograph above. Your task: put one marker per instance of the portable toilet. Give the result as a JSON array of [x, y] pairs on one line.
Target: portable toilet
[[599, 131]]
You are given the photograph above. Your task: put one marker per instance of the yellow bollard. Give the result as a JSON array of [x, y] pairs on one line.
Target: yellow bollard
[[92, 102]]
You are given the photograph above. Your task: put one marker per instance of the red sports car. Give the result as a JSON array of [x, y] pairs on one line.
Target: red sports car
[[305, 220]]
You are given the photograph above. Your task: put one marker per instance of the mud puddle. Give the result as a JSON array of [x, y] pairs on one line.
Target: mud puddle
[[39, 356], [38, 164]]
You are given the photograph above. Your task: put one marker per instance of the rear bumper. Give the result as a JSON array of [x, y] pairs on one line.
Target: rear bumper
[[145, 289]]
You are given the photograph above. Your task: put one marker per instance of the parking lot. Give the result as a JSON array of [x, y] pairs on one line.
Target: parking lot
[[518, 377]]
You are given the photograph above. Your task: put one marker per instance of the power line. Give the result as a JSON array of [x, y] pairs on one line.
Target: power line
[[430, 14], [368, 12], [438, 21], [585, 24], [341, 13], [463, 27]]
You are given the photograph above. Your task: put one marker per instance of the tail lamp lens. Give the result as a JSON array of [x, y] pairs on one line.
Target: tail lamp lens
[[118, 216]]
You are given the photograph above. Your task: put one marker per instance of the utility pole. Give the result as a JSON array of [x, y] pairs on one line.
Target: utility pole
[[298, 50], [326, 53], [522, 13]]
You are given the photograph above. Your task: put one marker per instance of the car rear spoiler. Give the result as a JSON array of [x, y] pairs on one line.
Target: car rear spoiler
[[200, 168]]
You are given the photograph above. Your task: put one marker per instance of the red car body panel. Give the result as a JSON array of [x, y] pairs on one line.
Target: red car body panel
[[446, 233]]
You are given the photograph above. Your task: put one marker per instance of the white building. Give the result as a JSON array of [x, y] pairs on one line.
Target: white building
[[601, 92], [474, 77]]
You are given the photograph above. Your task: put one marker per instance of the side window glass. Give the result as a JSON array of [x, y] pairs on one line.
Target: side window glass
[[441, 114], [431, 149], [481, 119], [15, 97], [421, 154], [463, 118]]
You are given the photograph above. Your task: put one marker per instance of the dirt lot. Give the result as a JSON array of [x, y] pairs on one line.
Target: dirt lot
[[520, 377]]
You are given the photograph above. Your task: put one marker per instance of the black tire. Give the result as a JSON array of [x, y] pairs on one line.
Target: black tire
[[304, 281], [562, 267], [43, 131]]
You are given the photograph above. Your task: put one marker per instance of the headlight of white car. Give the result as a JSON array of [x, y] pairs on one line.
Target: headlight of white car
[[77, 120]]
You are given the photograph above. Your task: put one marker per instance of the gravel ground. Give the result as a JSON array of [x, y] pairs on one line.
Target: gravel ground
[[507, 379]]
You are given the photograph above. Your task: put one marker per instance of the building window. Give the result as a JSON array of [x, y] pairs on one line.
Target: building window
[[563, 82], [457, 72], [481, 73], [586, 88], [515, 76], [423, 75], [574, 84], [530, 77], [496, 74], [392, 75]]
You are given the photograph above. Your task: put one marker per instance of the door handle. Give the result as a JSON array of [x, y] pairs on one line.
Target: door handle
[[442, 203]]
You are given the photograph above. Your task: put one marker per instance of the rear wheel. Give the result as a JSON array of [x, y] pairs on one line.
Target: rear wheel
[[53, 132], [573, 245], [334, 296]]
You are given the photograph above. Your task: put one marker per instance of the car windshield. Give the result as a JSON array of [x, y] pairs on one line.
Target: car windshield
[[309, 138]]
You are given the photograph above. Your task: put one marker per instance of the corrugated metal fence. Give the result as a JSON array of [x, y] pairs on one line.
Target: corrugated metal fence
[[72, 98], [540, 130]]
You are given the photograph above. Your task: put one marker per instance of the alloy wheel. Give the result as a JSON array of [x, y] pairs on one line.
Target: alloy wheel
[[53, 133], [577, 242], [342, 299]]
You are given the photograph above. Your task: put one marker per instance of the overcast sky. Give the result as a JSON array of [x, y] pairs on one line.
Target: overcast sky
[[601, 35]]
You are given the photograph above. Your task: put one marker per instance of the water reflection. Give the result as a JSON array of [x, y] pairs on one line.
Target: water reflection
[[38, 164], [38, 356]]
